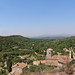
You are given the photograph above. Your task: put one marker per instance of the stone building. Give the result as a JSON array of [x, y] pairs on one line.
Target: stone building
[[18, 69], [49, 52], [54, 60]]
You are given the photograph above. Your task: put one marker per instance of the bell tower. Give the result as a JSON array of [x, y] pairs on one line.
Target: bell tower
[[70, 53], [49, 52]]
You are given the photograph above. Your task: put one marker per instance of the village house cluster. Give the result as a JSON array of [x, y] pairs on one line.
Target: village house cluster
[[50, 60], [57, 60]]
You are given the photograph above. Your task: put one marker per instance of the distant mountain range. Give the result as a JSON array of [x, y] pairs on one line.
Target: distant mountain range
[[57, 36], [45, 36]]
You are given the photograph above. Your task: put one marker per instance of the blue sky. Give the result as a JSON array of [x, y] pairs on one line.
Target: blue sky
[[37, 17]]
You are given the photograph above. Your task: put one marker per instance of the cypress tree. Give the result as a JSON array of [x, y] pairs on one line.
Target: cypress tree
[[9, 65]]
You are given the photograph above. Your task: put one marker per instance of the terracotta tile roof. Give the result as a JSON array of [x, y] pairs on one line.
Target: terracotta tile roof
[[50, 49], [43, 61], [36, 62], [48, 58], [62, 58], [52, 62], [23, 57], [21, 65]]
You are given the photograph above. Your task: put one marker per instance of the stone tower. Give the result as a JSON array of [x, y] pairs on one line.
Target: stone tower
[[49, 52], [70, 53]]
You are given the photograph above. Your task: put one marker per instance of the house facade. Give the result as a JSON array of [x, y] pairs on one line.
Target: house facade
[[18, 69]]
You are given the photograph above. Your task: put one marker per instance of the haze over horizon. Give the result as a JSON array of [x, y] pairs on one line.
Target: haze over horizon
[[37, 17]]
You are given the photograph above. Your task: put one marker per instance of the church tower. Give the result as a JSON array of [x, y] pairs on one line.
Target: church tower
[[70, 53], [49, 53]]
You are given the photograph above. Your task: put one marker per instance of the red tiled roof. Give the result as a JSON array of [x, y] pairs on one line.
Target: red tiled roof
[[52, 62], [62, 58], [21, 65]]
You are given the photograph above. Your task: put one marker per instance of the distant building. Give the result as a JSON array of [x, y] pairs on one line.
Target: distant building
[[54, 60], [18, 69], [71, 52], [36, 62], [66, 49], [73, 55], [49, 53]]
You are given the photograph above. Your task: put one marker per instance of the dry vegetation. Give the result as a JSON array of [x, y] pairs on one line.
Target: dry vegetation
[[61, 71]]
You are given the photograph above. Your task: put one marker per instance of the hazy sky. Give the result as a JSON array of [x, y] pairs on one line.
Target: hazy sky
[[37, 17]]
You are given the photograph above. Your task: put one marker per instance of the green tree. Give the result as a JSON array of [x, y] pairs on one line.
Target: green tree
[[9, 65]]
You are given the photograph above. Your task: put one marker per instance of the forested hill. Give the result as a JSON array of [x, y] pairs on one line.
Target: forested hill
[[14, 41], [63, 43], [9, 43]]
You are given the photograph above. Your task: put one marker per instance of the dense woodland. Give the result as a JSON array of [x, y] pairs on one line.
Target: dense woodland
[[11, 43]]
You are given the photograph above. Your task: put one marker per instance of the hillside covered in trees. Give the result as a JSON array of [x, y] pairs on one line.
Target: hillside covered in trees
[[58, 45], [15, 42], [8, 43]]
